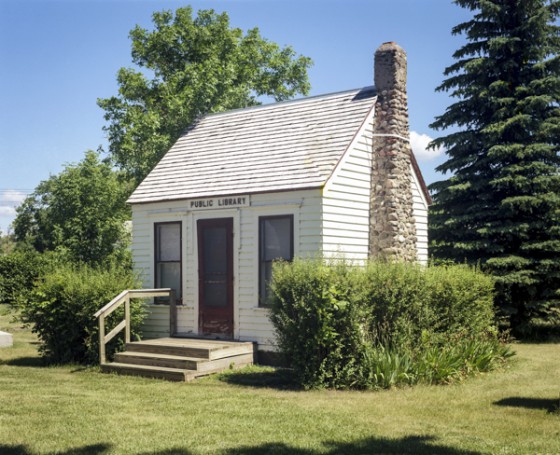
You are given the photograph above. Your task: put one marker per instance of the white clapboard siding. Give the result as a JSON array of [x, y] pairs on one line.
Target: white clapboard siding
[[156, 323], [420, 213], [252, 322], [257, 327], [346, 196], [141, 247]]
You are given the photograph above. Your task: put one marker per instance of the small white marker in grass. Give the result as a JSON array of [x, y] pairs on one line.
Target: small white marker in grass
[[6, 340]]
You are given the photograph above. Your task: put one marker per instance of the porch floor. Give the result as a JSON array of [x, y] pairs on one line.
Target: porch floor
[[180, 359]]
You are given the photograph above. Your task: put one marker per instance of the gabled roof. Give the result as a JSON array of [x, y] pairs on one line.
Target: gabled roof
[[276, 147]]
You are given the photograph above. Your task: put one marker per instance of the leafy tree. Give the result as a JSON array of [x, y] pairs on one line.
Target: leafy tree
[[501, 206], [190, 67], [19, 272], [82, 212], [7, 243]]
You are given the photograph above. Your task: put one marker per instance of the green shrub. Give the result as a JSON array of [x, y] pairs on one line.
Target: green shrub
[[393, 296], [317, 326], [462, 298], [62, 307], [384, 324], [18, 273], [407, 302]]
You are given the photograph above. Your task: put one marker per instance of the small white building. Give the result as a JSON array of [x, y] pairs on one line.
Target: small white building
[[242, 188]]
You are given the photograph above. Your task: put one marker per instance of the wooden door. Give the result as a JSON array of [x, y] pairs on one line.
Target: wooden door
[[215, 277]]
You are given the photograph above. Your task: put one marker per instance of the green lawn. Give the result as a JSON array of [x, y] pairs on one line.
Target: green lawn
[[73, 410]]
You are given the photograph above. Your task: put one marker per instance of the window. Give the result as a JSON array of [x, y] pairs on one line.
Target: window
[[276, 241], [168, 256]]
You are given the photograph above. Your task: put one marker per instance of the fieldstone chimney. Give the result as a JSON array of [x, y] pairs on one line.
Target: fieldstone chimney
[[392, 226]]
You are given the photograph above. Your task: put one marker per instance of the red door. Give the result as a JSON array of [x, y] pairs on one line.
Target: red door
[[215, 277]]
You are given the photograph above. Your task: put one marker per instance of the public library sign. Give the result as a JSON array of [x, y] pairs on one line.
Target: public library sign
[[220, 202]]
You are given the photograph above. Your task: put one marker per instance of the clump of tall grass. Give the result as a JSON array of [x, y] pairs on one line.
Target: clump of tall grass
[[385, 324]]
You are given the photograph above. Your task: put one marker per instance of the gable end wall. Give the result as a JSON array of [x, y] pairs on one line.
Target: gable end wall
[[420, 214], [346, 203]]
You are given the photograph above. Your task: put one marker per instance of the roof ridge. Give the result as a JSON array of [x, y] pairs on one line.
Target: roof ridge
[[293, 101]]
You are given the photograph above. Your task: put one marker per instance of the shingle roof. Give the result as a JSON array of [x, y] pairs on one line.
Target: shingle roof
[[276, 147]]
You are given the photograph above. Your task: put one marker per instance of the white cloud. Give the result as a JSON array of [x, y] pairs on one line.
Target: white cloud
[[419, 144], [7, 211], [9, 200], [11, 197]]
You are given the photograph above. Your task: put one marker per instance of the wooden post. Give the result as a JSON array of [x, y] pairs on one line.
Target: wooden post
[[172, 313], [102, 357], [127, 319]]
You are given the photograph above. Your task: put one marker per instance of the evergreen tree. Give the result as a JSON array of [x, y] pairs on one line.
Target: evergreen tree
[[501, 205]]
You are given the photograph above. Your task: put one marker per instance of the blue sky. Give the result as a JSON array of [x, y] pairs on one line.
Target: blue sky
[[58, 56]]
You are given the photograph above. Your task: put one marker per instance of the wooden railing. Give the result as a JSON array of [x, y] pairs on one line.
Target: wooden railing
[[124, 298]]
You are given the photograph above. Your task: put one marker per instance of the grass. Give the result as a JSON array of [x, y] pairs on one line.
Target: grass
[[75, 410]]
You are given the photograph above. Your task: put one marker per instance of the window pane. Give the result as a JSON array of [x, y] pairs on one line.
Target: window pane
[[277, 239], [215, 250], [276, 242], [264, 280], [169, 242], [215, 293], [168, 256], [169, 276]]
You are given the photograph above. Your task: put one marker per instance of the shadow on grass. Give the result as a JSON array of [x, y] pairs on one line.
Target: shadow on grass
[[551, 405], [43, 362], [94, 449], [169, 452], [34, 362], [279, 378], [411, 445]]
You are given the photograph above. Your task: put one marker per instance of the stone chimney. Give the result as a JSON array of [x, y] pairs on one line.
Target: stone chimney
[[392, 226]]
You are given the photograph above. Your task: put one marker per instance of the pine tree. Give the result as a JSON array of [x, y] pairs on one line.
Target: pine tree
[[501, 205]]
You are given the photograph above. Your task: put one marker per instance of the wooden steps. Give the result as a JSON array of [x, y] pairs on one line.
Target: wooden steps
[[180, 359]]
